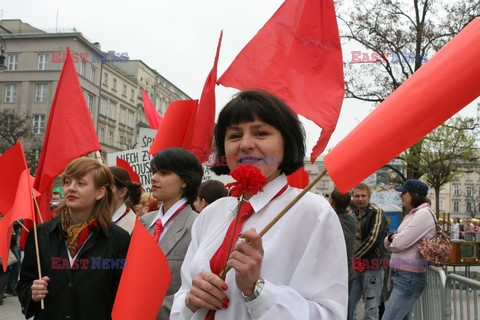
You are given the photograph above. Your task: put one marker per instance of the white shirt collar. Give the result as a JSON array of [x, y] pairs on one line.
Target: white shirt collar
[[119, 213], [165, 217], [261, 199]]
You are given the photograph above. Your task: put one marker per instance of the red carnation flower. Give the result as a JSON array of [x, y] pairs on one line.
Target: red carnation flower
[[249, 181]]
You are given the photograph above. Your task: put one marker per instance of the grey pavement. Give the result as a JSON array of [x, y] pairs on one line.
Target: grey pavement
[[11, 310]]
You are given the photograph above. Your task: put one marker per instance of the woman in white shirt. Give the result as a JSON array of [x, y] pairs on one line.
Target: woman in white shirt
[[124, 190], [297, 269]]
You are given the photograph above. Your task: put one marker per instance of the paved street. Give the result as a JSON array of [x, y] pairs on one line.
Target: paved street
[[11, 309]]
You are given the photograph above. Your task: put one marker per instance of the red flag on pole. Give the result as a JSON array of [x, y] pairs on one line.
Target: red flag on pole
[[176, 128], [144, 280], [126, 166], [296, 56], [70, 134], [298, 179], [153, 117], [202, 139], [434, 93], [16, 200]]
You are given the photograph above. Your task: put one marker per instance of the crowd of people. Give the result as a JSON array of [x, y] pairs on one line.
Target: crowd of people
[[317, 262]]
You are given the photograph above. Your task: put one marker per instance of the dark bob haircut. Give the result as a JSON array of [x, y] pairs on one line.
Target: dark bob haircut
[[248, 105], [185, 164]]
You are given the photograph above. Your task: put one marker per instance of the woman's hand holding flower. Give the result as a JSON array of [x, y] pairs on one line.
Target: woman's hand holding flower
[[208, 291], [246, 258]]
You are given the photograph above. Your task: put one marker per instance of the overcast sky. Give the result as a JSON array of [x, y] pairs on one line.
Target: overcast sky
[[177, 38]]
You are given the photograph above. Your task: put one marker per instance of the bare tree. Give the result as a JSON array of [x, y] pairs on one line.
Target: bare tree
[[398, 37]]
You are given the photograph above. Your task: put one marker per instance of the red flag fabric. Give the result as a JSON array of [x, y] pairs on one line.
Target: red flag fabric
[[144, 280], [202, 140], [12, 164], [20, 204], [153, 117], [296, 56], [125, 165], [70, 134], [298, 179], [176, 128], [434, 93]]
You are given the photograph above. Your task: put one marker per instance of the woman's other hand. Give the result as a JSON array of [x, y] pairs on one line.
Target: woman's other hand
[[246, 259], [39, 288], [208, 291]]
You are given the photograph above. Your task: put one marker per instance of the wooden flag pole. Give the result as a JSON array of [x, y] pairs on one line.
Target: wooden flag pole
[[292, 203], [23, 226], [36, 206], [37, 251]]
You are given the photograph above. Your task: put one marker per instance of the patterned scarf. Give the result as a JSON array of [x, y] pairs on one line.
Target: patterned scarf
[[76, 234]]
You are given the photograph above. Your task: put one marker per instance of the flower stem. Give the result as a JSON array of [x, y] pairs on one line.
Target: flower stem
[[230, 247]]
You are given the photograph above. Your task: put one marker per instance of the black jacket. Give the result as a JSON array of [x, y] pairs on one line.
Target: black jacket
[[374, 231], [83, 293]]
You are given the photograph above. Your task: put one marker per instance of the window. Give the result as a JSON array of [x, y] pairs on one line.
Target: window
[[38, 126], [441, 205], [123, 116], [456, 190], [132, 94], [90, 102], [105, 78], [103, 107], [469, 176], [10, 93], [42, 61], [83, 67], [455, 206], [469, 206], [130, 119], [114, 85], [469, 190], [92, 74], [41, 92], [110, 138], [101, 135], [12, 62], [113, 111], [124, 90], [121, 140]]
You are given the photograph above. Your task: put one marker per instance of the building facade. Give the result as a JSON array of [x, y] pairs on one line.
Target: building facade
[[111, 83]]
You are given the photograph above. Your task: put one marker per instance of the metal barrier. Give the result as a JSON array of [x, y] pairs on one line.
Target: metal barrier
[[462, 293], [430, 305]]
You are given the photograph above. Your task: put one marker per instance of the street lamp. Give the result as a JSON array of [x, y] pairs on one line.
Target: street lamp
[[3, 46]]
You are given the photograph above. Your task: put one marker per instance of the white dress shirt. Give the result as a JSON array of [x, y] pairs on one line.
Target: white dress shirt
[[303, 265], [125, 222]]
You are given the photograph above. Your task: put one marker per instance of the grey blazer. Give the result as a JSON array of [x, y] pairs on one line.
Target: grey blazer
[[174, 244]]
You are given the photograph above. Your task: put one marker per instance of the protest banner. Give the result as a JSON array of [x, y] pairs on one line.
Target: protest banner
[[139, 160]]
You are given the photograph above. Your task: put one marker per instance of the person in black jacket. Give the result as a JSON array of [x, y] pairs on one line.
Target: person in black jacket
[[82, 254]]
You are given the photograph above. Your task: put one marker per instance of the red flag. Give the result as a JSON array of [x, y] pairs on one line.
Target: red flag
[[144, 280], [202, 139], [176, 129], [434, 93], [125, 165], [153, 117], [296, 56], [298, 179], [16, 203], [70, 134]]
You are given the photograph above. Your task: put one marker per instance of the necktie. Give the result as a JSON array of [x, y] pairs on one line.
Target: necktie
[[158, 227], [157, 231], [219, 259]]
